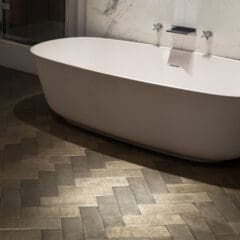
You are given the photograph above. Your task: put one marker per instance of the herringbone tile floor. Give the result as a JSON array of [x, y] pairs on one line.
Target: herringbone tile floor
[[59, 182]]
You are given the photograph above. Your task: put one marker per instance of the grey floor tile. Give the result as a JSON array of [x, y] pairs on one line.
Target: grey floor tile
[[95, 160], [126, 201], [72, 229], [110, 211], [52, 234], [92, 222], [80, 167], [140, 190], [30, 193], [225, 206], [64, 174], [20, 235], [198, 227], [154, 181], [214, 219], [10, 200], [47, 184], [29, 147], [12, 155], [44, 141], [228, 237], [180, 232], [170, 178], [1, 161]]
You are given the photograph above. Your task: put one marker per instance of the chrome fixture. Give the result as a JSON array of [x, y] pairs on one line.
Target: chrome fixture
[[207, 34], [182, 30], [157, 27]]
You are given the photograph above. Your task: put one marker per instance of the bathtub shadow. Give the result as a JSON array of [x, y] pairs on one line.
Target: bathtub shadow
[[35, 111]]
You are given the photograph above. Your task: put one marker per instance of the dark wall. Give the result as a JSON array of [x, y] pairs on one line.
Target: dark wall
[[33, 11]]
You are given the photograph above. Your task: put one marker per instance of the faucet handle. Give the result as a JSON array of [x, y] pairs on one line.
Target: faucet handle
[[207, 34], [157, 27]]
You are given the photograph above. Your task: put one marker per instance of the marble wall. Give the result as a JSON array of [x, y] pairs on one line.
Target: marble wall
[[134, 19]]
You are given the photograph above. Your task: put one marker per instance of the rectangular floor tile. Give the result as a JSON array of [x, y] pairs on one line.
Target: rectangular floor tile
[[226, 207], [54, 211], [92, 222], [138, 232], [214, 219], [12, 155], [126, 201], [170, 178], [192, 188], [77, 191], [154, 181], [29, 223], [101, 181], [29, 147], [64, 174], [95, 160], [44, 141], [10, 203], [152, 220], [72, 201], [228, 237], [59, 160], [181, 197], [74, 149], [140, 190], [116, 173], [120, 164], [48, 184], [80, 167], [180, 232], [236, 227], [72, 229], [109, 211], [52, 234], [20, 235], [198, 226], [177, 208], [30, 193]]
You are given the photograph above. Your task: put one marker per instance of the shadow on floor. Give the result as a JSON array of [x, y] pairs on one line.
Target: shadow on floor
[[35, 111]]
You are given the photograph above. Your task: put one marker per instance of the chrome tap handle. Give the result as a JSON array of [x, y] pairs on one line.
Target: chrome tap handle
[[207, 34], [157, 27]]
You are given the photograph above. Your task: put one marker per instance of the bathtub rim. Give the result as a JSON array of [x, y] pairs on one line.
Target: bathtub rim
[[142, 82], [34, 52]]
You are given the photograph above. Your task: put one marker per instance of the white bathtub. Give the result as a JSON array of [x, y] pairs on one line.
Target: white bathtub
[[129, 91]]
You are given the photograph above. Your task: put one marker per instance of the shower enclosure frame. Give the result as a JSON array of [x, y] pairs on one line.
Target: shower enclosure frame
[[74, 20]]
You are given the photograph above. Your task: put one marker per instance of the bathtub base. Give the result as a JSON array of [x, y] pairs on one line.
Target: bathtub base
[[135, 144]]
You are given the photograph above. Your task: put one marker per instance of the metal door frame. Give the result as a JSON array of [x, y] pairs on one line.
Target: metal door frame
[[3, 7]]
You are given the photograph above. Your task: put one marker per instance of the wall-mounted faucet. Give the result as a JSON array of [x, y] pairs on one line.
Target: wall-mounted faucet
[[207, 34], [157, 27]]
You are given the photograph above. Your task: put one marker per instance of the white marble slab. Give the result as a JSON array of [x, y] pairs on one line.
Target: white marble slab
[[133, 20]]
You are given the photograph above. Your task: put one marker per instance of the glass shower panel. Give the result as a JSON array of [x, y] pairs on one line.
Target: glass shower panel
[[33, 21]]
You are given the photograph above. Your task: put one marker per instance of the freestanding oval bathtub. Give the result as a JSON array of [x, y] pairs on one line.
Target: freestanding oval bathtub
[[136, 92]]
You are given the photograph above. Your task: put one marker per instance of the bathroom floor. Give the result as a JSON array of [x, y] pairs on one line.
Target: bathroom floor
[[59, 182]]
